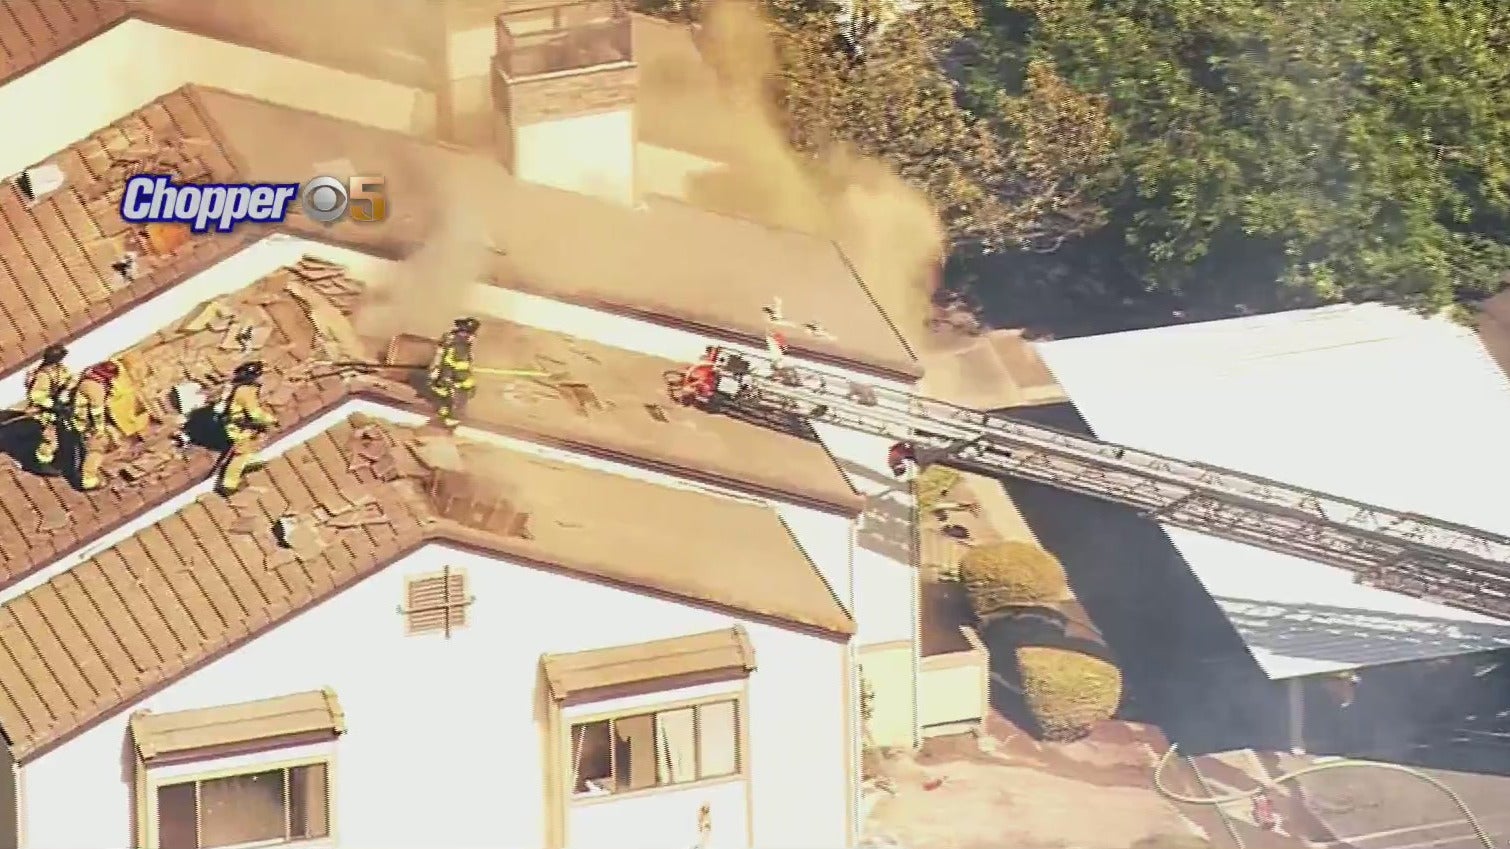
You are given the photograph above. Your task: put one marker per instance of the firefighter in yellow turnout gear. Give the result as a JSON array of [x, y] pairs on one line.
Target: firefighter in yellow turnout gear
[[451, 379], [44, 386], [239, 411], [84, 408]]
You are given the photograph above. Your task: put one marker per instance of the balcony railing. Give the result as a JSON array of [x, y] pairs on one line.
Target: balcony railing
[[564, 38]]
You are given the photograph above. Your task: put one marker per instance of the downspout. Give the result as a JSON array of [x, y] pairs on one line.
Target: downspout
[[856, 749], [914, 557]]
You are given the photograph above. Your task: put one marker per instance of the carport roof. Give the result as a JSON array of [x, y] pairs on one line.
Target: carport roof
[[1362, 401]]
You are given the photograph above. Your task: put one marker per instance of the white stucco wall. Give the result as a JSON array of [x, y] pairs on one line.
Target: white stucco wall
[[591, 154], [452, 726], [120, 70]]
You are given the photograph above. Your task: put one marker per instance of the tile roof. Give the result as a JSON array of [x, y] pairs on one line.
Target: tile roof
[[712, 655], [34, 31], [42, 519], [56, 256], [160, 736], [666, 261], [98, 637]]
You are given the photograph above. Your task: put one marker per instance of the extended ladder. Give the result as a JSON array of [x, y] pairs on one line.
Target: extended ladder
[[1405, 552]]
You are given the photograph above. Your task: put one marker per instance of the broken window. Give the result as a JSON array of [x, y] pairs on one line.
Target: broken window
[[657, 749], [267, 807], [436, 603]]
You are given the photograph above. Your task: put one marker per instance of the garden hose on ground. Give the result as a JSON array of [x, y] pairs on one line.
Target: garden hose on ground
[[1266, 785]]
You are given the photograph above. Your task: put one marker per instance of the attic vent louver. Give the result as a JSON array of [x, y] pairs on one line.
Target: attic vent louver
[[39, 182]]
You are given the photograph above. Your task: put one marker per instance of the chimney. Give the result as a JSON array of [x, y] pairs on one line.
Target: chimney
[[564, 85]]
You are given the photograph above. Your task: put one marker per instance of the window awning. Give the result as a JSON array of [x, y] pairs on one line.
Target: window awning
[[297, 717], [621, 670]]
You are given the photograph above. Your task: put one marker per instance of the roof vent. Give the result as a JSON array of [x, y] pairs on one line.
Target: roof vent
[[39, 182]]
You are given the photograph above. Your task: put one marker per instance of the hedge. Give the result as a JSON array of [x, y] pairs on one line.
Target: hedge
[[1066, 691], [1001, 575], [932, 484]]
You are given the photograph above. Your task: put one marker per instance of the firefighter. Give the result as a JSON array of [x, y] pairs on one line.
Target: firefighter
[[44, 387], [451, 380], [902, 457], [239, 412], [83, 409], [699, 381]]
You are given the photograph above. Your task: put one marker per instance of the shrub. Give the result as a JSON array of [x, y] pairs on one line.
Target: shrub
[[1005, 574], [1066, 691], [932, 484]]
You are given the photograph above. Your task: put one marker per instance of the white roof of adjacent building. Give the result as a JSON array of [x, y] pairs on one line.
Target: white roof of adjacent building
[[1364, 401]]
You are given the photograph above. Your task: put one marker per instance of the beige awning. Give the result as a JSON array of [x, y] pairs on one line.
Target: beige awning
[[620, 670], [299, 716]]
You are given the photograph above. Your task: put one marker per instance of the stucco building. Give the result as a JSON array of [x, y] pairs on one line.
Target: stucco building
[[611, 639]]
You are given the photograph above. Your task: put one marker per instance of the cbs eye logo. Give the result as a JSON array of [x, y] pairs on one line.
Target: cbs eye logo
[[330, 199]]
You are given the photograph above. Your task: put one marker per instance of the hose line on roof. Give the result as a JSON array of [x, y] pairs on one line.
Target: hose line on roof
[[1269, 784]]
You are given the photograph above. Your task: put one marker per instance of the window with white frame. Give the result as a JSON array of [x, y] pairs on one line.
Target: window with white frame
[[263, 807], [657, 748]]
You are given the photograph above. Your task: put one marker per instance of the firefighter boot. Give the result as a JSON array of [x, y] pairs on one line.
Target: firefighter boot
[[93, 460], [47, 449], [241, 460]]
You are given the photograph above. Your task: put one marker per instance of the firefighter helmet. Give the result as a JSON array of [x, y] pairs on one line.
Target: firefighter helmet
[[248, 372], [104, 372], [53, 354], [467, 325]]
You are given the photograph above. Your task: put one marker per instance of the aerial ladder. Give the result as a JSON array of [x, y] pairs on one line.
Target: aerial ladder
[[1405, 552]]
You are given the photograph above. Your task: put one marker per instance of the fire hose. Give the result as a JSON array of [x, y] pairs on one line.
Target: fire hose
[[1269, 784]]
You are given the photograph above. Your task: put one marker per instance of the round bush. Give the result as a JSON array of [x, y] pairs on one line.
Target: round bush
[[1006, 574], [932, 485], [1066, 691]]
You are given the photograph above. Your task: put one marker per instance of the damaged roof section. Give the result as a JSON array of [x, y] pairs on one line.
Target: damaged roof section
[[64, 246], [606, 402], [340, 507], [45, 518]]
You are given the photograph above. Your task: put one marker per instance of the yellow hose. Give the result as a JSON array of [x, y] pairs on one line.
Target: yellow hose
[[1264, 786]]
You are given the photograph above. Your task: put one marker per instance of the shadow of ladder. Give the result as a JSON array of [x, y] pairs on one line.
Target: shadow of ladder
[[1221, 810]]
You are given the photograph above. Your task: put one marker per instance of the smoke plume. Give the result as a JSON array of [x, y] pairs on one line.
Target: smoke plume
[[888, 229]]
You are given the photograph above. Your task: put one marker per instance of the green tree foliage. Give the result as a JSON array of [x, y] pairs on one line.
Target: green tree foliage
[[1354, 148], [1018, 172]]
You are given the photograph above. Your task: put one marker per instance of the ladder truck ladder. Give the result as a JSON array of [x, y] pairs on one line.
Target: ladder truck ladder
[[1405, 552]]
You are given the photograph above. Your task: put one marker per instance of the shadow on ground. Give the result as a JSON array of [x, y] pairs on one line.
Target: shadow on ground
[[1187, 670]]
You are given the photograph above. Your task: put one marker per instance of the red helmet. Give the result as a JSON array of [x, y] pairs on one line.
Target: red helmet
[[103, 372]]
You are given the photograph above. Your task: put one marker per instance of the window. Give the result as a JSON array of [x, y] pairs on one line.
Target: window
[[658, 749], [436, 603], [258, 808]]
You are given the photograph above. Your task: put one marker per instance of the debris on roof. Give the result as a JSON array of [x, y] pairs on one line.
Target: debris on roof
[[145, 590]]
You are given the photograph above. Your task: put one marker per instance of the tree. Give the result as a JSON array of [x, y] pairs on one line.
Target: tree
[[1012, 174], [1339, 148]]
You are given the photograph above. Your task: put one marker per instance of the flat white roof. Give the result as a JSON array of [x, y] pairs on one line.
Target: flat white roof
[[1362, 401]]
